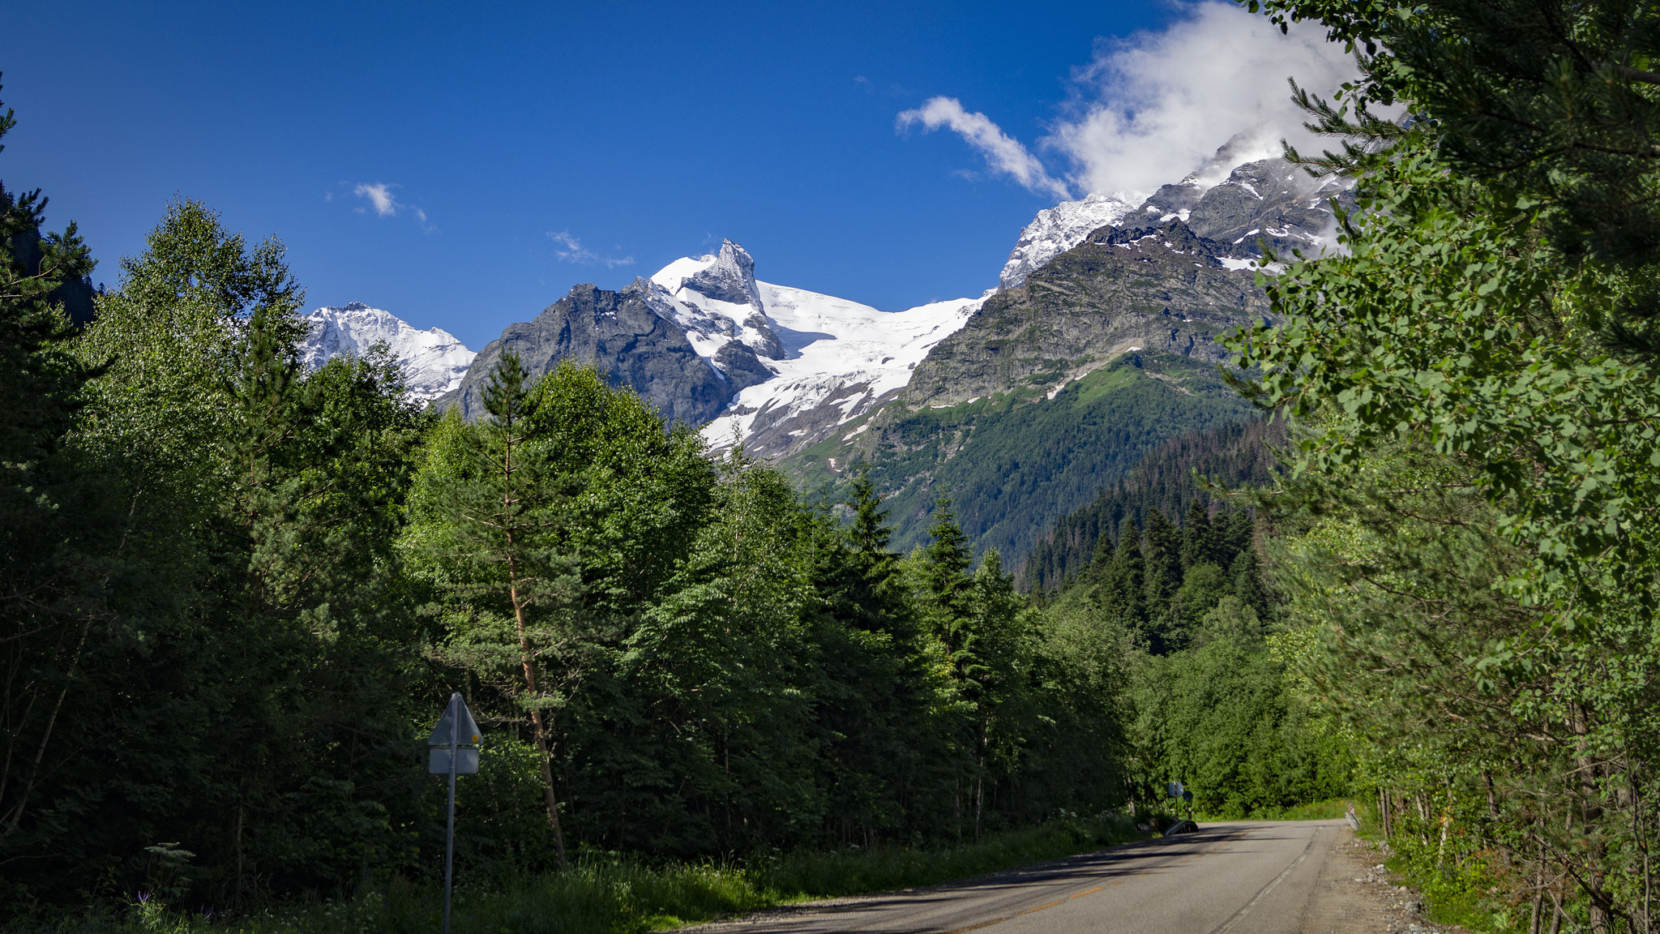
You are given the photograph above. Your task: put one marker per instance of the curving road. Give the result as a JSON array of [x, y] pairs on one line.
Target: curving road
[[1244, 877]]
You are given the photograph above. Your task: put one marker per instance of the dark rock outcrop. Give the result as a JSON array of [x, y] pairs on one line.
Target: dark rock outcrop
[[1269, 200], [625, 338]]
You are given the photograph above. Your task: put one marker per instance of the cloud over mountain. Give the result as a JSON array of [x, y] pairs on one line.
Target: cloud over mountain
[[1157, 101], [1161, 99]]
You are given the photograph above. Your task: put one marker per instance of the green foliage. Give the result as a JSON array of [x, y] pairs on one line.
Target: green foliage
[[1230, 456], [235, 595], [1551, 102], [1472, 570], [1212, 704]]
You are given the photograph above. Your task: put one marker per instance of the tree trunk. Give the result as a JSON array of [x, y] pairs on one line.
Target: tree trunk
[[51, 722], [1589, 813], [538, 727]]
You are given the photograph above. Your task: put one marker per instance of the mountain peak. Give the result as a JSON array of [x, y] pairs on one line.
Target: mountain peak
[[1058, 229], [434, 361], [728, 277], [1243, 194], [715, 299]]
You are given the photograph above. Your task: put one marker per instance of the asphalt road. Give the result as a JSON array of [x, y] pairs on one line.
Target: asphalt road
[[1244, 878]]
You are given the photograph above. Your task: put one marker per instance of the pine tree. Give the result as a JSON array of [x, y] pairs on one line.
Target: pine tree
[[1125, 594], [43, 633], [495, 521], [1164, 563], [1199, 536], [945, 566]]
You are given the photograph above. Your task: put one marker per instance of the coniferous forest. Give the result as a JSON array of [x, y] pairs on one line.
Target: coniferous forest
[[235, 593]]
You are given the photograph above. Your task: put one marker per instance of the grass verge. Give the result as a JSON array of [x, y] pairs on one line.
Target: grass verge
[[613, 896]]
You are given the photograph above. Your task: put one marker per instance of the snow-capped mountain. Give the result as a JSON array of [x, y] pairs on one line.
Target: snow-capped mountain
[[781, 367], [434, 361], [821, 361], [1058, 229], [1240, 196], [843, 360]]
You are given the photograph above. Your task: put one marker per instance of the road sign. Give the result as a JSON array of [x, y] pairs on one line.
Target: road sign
[[1176, 789], [456, 714], [453, 750], [466, 760]]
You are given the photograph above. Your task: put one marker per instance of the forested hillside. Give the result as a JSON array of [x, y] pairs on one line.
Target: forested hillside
[[1054, 388], [1208, 695], [1230, 457]]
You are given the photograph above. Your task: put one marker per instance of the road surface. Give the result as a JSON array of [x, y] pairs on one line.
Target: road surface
[[1228, 878]]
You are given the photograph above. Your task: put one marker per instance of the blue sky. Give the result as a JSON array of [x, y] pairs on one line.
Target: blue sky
[[463, 167]]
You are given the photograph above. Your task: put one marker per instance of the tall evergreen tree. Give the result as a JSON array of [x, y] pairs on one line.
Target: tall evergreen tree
[[495, 517], [1125, 594], [44, 617], [1200, 544]]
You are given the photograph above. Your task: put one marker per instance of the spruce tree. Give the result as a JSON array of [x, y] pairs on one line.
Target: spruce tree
[[44, 619], [495, 522], [1199, 536], [1126, 586]]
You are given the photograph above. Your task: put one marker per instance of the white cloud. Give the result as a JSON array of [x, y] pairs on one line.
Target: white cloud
[[1156, 105], [575, 252], [1003, 153], [385, 204], [1152, 107], [379, 195]]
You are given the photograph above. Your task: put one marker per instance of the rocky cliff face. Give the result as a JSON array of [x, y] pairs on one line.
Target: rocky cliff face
[[1238, 199], [624, 337], [1269, 200], [1159, 287]]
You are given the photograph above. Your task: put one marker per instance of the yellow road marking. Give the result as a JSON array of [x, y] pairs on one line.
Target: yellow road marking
[[1087, 891], [1041, 907], [976, 927]]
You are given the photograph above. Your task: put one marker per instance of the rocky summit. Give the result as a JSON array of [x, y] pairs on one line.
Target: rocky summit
[[622, 334], [1238, 198]]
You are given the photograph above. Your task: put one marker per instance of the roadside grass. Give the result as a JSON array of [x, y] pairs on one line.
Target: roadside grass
[[610, 895], [1455, 891], [1330, 809]]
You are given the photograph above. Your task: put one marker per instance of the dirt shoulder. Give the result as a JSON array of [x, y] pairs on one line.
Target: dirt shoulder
[[1356, 895]]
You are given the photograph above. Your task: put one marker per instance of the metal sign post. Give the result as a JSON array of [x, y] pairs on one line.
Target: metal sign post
[[1182, 794], [452, 750]]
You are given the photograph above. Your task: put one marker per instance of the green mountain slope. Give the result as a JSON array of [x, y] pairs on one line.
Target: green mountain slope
[[1054, 389], [1013, 463]]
